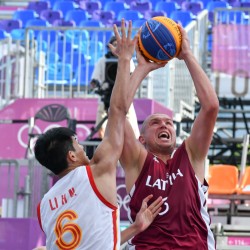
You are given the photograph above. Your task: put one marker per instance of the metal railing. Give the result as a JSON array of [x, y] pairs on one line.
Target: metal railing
[[52, 52], [23, 184], [231, 237], [12, 60]]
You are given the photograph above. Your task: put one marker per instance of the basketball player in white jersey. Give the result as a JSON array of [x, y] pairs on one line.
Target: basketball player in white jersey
[[80, 211]]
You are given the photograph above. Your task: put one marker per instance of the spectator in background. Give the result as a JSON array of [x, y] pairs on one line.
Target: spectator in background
[[103, 81]]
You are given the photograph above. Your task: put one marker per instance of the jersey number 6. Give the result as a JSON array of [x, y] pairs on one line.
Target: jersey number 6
[[61, 228]]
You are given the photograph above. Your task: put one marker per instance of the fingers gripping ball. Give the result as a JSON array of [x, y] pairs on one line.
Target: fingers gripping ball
[[160, 39]]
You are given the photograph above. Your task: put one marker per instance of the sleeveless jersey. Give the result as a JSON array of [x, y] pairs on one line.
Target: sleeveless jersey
[[183, 222], [74, 215]]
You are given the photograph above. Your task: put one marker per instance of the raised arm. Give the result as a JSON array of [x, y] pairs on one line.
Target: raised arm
[[134, 153], [202, 131], [106, 156]]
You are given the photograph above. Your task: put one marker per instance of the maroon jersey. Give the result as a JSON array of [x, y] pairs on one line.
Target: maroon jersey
[[183, 222]]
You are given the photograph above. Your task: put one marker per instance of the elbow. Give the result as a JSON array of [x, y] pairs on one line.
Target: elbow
[[212, 108]]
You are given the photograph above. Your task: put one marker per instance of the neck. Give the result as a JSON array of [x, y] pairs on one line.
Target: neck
[[66, 171], [163, 157]]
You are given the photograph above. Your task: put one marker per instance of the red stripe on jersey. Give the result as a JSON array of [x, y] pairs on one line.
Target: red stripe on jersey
[[114, 215], [39, 215], [92, 182]]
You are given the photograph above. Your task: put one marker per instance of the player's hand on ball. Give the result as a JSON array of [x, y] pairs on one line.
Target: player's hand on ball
[[185, 46], [143, 61]]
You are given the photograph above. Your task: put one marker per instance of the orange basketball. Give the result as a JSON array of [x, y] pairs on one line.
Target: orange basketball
[[160, 39]]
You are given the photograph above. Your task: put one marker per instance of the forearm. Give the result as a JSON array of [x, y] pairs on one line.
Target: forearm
[[129, 233], [204, 89], [121, 92], [139, 74]]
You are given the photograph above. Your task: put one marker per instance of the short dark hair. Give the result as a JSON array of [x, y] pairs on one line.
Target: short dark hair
[[52, 147]]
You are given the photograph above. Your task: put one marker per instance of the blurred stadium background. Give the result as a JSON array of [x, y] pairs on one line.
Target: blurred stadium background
[[48, 50]]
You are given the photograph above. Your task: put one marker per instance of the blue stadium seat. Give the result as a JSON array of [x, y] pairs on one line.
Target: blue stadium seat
[[61, 47], [182, 16], [38, 6], [234, 3], [3, 34], [19, 34], [233, 17], [10, 24], [105, 17], [103, 2], [194, 7], [77, 16], [179, 2], [142, 7], [167, 7], [24, 16], [75, 59], [212, 5], [52, 2], [49, 36], [154, 2], [114, 6], [91, 23], [129, 15], [245, 5], [37, 23], [154, 13], [204, 2], [63, 6], [59, 73], [138, 23], [62, 22], [76, 36], [93, 50], [90, 7], [84, 74], [52, 57], [50, 15], [101, 36]]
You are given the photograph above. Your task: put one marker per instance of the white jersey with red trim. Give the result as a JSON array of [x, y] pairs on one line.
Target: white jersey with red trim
[[74, 215]]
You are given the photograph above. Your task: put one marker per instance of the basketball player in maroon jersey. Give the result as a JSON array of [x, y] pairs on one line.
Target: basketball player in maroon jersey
[[154, 165]]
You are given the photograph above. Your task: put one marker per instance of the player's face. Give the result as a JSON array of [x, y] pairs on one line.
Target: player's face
[[81, 156], [160, 132]]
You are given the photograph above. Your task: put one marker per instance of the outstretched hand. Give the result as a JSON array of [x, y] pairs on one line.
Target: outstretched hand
[[125, 45], [147, 214]]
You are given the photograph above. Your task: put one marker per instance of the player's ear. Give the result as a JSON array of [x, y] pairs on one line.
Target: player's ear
[[71, 156], [142, 140]]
